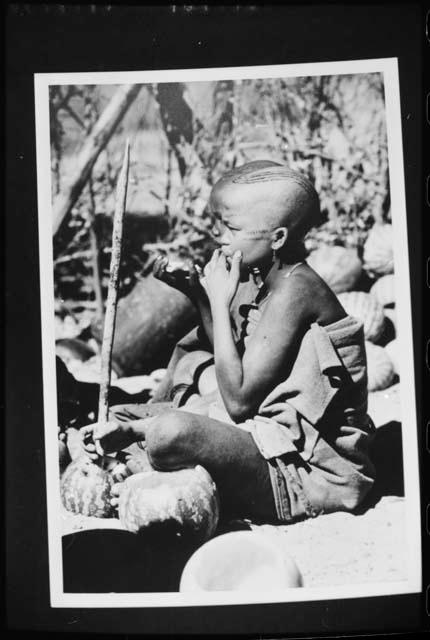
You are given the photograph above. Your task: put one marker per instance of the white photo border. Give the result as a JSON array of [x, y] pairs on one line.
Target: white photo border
[[388, 67]]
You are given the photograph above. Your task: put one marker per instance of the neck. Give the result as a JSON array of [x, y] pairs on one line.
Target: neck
[[272, 269], [278, 268]]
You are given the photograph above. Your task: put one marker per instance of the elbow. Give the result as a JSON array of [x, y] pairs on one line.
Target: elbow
[[239, 411]]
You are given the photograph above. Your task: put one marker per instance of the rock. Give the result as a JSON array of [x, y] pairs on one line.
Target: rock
[[339, 267], [380, 369], [149, 322], [241, 561], [392, 348]]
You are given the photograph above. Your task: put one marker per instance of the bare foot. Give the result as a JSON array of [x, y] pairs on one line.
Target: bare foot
[[116, 492]]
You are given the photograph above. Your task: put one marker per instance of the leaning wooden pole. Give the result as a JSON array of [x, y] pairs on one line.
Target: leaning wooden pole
[[94, 144], [112, 299]]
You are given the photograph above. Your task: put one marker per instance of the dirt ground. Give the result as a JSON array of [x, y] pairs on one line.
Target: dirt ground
[[341, 548]]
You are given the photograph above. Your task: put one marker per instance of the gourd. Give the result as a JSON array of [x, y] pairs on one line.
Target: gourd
[[85, 489], [63, 455], [392, 316], [392, 348], [240, 560], [339, 267], [366, 308], [188, 498], [383, 290], [378, 250], [380, 370]]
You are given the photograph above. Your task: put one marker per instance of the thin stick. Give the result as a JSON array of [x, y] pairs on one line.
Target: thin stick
[[97, 285], [112, 299]]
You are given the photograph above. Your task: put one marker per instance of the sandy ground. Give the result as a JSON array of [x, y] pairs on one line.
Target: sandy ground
[[338, 548]]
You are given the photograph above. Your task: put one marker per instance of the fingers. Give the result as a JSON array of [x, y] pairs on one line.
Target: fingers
[[120, 472], [159, 270], [87, 431], [95, 432], [99, 448], [215, 256], [117, 488], [235, 265], [159, 266], [210, 266], [87, 435], [91, 451], [116, 493]]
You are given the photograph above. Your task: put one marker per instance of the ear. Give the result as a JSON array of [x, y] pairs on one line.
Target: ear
[[279, 238]]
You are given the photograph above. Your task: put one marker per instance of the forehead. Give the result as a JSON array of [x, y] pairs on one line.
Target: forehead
[[248, 204], [226, 196], [234, 199]]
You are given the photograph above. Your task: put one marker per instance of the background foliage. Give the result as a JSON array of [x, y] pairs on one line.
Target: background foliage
[[184, 136]]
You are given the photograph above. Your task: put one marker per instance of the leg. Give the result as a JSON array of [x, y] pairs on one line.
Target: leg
[[124, 413], [134, 456], [177, 439]]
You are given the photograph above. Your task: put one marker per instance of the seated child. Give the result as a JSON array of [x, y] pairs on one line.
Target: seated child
[[274, 408]]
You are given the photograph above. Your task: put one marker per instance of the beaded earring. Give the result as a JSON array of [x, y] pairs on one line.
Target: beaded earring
[[257, 276]]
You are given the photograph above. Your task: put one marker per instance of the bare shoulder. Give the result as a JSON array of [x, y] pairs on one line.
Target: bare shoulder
[[306, 293]]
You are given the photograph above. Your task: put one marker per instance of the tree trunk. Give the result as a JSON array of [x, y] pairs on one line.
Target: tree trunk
[[95, 143]]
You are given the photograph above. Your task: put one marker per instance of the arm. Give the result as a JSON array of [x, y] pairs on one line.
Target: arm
[[188, 283], [270, 352], [113, 436], [201, 301]]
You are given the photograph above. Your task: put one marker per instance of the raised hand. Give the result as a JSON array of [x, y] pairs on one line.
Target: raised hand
[[184, 278], [219, 282]]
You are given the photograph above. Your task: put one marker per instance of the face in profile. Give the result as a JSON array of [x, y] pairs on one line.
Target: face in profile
[[242, 225]]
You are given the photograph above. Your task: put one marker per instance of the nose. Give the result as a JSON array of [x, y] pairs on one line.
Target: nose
[[221, 237]]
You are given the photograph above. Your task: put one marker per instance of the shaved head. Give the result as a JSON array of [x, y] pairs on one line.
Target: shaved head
[[287, 198]]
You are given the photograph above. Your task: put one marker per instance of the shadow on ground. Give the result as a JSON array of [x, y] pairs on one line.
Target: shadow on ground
[[106, 560], [387, 456]]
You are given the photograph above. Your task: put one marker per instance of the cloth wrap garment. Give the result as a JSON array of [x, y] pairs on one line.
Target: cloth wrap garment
[[313, 428]]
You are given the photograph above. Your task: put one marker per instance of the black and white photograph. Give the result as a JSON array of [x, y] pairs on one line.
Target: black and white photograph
[[228, 367]]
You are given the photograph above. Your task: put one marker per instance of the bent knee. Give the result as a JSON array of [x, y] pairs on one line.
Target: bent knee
[[168, 440]]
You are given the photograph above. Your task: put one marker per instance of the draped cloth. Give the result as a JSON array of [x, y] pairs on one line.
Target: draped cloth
[[313, 428]]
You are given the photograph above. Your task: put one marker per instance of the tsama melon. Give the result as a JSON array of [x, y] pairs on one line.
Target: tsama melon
[[63, 455], [392, 348], [366, 308], [86, 489], [339, 267], [383, 290], [378, 255], [380, 369], [187, 498], [391, 314]]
